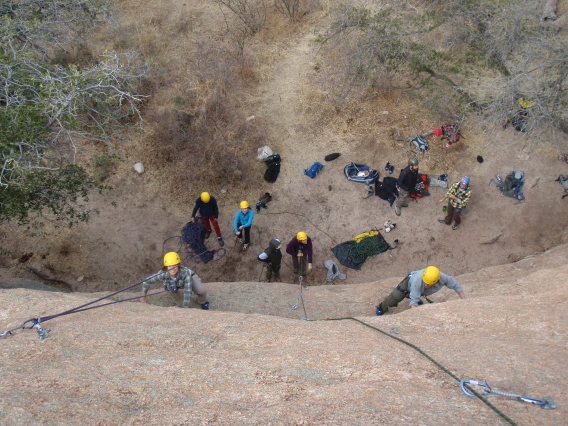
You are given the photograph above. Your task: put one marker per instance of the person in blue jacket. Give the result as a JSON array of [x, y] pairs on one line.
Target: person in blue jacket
[[243, 222]]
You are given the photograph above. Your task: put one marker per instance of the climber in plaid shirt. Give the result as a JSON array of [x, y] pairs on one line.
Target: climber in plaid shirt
[[458, 196], [174, 276]]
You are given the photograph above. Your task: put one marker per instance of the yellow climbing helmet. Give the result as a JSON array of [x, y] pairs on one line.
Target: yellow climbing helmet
[[205, 197], [244, 204], [301, 236], [171, 259], [431, 275]]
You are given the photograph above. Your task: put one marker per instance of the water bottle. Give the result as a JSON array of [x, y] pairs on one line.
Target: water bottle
[[498, 178]]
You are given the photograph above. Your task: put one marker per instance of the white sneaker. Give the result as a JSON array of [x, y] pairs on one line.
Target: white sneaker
[[240, 240], [245, 246]]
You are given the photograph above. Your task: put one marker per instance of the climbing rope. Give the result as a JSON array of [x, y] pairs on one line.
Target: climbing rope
[[436, 363], [301, 295], [36, 322]]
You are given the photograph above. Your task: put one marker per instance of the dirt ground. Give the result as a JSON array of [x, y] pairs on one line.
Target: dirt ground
[[123, 244]]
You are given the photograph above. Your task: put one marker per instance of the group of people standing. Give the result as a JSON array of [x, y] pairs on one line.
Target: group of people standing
[[417, 284], [174, 276]]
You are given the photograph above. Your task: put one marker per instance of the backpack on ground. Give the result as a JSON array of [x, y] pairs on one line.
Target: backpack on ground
[[512, 186], [361, 173], [272, 168], [313, 170], [386, 190], [420, 143], [451, 132], [564, 182]]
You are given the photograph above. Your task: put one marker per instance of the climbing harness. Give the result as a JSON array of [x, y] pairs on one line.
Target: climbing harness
[[547, 403], [43, 333]]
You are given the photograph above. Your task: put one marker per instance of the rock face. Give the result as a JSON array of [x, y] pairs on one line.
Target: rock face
[[252, 360]]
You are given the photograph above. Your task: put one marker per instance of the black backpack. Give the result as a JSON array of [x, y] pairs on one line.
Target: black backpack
[[272, 168], [386, 189]]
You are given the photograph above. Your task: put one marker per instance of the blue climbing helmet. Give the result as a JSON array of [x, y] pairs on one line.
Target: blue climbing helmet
[[464, 183]]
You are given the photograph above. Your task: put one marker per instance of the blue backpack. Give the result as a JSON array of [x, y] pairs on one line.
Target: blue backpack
[[313, 170]]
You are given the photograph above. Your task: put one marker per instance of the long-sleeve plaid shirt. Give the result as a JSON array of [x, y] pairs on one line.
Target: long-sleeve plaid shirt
[[182, 280], [463, 194]]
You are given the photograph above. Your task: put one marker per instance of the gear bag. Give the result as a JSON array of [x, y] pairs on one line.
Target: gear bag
[[564, 182], [420, 143], [313, 170]]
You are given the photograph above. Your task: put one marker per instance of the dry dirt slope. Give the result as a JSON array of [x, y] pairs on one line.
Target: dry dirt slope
[[137, 364]]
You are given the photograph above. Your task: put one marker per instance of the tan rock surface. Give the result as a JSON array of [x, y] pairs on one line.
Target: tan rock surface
[[250, 360]]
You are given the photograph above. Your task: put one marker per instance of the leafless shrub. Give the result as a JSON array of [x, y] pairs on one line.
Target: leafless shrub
[[289, 8], [295, 9], [483, 58], [252, 13]]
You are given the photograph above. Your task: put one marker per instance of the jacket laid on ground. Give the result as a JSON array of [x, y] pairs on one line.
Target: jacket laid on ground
[[244, 220], [407, 179], [272, 254], [206, 209], [182, 280], [417, 288], [294, 246], [463, 195]]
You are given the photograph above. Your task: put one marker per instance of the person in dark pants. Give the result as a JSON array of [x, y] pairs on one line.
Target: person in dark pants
[[300, 248], [209, 212], [406, 184], [458, 196], [272, 256], [242, 223], [417, 284], [174, 277]]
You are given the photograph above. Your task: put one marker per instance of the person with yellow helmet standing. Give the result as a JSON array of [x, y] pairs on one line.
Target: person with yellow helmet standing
[[417, 284], [175, 277], [209, 212], [243, 222], [300, 248]]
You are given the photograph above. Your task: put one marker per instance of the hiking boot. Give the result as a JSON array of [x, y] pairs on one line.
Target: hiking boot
[[455, 227], [420, 302], [245, 246], [442, 221], [240, 240], [397, 210], [379, 310], [205, 306], [207, 233], [220, 241]]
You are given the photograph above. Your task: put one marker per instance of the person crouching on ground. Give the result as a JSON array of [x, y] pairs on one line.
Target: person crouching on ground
[[458, 196], [406, 184], [174, 277], [243, 222], [417, 284], [272, 256], [209, 212], [300, 248]]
